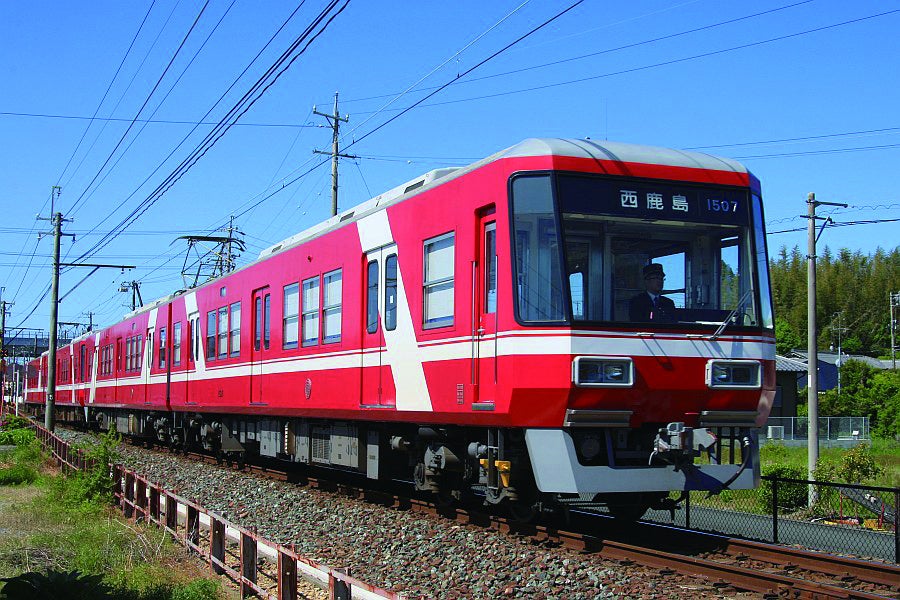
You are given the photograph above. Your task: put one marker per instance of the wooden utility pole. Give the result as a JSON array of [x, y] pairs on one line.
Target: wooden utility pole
[[895, 302], [334, 120], [56, 219]]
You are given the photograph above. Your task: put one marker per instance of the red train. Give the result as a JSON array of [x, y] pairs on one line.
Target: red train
[[501, 328]]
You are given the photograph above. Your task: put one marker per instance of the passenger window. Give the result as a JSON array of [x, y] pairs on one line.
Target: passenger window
[[311, 311], [390, 292], [372, 297], [331, 306], [291, 315], [234, 333], [438, 284]]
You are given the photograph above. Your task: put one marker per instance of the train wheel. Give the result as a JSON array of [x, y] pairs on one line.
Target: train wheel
[[522, 511]]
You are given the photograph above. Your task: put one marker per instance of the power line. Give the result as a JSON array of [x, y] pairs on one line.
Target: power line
[[148, 121], [105, 93], [144, 105], [654, 65], [236, 112]]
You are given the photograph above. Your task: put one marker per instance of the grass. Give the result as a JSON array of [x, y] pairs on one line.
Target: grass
[[73, 544]]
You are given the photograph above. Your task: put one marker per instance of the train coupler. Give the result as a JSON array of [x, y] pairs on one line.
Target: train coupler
[[678, 445]]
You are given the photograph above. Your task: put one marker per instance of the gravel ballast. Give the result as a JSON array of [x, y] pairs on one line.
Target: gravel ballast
[[420, 555]]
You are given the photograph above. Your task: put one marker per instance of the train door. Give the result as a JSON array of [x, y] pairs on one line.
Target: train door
[[193, 340], [379, 325], [117, 365], [260, 347], [484, 295], [147, 360]]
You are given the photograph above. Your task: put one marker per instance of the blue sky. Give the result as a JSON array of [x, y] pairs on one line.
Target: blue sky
[[804, 93]]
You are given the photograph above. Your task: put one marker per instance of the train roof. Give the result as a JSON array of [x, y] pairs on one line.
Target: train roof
[[576, 148], [606, 151]]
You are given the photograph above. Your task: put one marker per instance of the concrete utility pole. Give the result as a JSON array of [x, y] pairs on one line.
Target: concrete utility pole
[[812, 340], [56, 219], [334, 120], [895, 302], [840, 329], [3, 310]]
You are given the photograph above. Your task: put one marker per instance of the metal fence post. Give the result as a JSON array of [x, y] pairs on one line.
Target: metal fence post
[[338, 588], [128, 506], [171, 514], [897, 527], [775, 509], [687, 510], [154, 504]]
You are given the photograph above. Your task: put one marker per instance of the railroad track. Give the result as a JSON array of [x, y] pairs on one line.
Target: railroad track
[[729, 564]]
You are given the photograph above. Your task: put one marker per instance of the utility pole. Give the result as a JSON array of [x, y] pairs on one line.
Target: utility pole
[[895, 301], [334, 120], [56, 220], [136, 300], [840, 329], [3, 311], [812, 340]]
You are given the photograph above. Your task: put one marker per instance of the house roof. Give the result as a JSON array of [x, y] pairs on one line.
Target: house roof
[[831, 358], [789, 365]]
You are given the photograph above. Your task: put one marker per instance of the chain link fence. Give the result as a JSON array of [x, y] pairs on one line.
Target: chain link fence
[[835, 429], [847, 519]]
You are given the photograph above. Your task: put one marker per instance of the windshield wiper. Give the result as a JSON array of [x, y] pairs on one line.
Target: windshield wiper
[[730, 316]]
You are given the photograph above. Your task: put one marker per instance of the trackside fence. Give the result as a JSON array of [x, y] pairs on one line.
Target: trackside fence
[[849, 519], [259, 567]]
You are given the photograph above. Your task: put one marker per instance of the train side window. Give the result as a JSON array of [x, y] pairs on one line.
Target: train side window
[[257, 323], [311, 311], [176, 344], [191, 332], [289, 331], [162, 347], [210, 335], [223, 332], [331, 306], [267, 321], [490, 268], [438, 281], [129, 353], [234, 333], [139, 358], [81, 364], [372, 297], [390, 292]]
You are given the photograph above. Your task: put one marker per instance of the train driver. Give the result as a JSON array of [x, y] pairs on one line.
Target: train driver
[[652, 305]]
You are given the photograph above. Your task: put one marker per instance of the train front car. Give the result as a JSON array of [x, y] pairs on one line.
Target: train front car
[[643, 338]]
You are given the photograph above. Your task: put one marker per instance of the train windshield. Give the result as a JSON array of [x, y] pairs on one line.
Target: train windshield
[[639, 251]]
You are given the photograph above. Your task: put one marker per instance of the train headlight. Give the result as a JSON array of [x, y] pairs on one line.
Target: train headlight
[[734, 374], [596, 371]]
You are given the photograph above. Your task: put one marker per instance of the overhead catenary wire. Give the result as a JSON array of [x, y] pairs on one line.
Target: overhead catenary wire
[[141, 109], [244, 104]]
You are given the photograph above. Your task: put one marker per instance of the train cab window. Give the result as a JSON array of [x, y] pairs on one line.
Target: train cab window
[[438, 281], [332, 287], [311, 311], [289, 331], [624, 237], [234, 332], [390, 292], [538, 273], [223, 332], [372, 297], [211, 335], [176, 344], [162, 347]]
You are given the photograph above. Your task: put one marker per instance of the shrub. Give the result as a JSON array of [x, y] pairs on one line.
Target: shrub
[[791, 496], [54, 584], [858, 464]]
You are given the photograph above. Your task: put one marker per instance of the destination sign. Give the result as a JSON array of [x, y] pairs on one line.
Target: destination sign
[[644, 199]]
